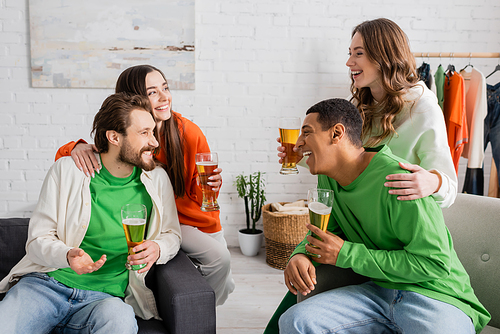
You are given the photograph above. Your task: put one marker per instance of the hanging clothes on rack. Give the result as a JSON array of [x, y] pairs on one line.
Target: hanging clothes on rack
[[439, 77], [497, 68], [492, 123], [454, 114], [424, 73], [476, 109], [456, 135]]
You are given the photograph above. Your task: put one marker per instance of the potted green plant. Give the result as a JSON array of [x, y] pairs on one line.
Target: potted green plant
[[252, 189]]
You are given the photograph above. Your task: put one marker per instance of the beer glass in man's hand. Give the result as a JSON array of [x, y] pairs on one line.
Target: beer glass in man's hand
[[289, 133], [206, 163], [320, 203], [134, 223]]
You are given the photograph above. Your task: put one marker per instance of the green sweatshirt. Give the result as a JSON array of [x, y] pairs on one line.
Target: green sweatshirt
[[403, 245]]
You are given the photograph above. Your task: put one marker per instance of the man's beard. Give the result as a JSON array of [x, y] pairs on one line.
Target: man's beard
[[128, 156]]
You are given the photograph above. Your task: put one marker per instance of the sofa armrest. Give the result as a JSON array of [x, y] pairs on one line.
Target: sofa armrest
[[185, 300]]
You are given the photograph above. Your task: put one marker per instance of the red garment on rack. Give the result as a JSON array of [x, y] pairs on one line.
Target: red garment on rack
[[454, 114]]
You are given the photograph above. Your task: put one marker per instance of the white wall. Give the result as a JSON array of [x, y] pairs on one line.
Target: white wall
[[255, 61]]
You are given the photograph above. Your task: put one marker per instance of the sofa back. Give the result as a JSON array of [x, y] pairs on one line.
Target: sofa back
[[474, 223], [13, 236]]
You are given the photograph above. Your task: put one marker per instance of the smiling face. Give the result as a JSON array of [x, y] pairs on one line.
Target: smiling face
[[315, 144], [364, 72], [138, 145], [159, 96]]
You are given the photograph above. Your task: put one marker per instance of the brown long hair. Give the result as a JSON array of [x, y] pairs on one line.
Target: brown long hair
[[386, 45], [133, 80]]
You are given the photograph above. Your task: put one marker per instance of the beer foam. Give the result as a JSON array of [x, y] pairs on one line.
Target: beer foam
[[206, 163], [319, 208], [134, 221]]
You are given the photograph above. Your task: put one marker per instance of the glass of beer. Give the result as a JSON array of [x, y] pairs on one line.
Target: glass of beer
[[206, 163], [134, 224], [289, 133], [320, 203]]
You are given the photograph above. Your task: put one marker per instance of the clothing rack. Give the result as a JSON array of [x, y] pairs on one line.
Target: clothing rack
[[456, 54]]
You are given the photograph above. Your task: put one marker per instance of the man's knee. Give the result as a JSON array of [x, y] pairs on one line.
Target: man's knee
[[116, 315], [288, 320], [115, 308]]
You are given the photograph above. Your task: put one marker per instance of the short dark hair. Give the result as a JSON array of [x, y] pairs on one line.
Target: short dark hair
[[114, 115], [334, 111]]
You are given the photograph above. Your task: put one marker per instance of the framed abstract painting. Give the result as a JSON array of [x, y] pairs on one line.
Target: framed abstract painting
[[87, 44]]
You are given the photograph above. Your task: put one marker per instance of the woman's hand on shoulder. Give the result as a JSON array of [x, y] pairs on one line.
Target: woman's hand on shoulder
[[84, 158], [417, 184]]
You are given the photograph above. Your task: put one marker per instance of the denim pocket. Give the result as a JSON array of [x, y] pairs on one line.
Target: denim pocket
[[43, 276]]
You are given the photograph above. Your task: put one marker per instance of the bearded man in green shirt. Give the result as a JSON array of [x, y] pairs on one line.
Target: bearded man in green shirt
[[416, 281], [73, 278]]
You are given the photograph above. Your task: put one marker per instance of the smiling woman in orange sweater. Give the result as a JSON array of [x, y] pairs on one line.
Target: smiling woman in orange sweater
[[180, 139]]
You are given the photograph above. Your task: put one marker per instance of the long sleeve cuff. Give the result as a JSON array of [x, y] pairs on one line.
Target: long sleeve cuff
[[446, 194]]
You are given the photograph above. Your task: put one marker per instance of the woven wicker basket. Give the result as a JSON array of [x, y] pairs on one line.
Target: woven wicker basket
[[283, 232]]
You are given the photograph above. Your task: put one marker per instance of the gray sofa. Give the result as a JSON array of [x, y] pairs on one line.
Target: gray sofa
[[474, 223], [185, 300]]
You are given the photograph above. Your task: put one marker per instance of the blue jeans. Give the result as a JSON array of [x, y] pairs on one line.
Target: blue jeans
[[369, 308], [40, 304]]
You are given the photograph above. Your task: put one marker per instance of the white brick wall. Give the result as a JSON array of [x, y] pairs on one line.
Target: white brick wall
[[255, 61]]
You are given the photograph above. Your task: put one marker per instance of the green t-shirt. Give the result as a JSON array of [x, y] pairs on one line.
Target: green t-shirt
[[439, 79], [105, 234], [401, 245]]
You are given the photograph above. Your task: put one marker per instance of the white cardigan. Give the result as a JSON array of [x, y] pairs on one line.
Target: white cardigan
[[61, 218], [421, 139]]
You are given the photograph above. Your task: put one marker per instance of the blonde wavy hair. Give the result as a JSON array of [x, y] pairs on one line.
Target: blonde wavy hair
[[387, 47]]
